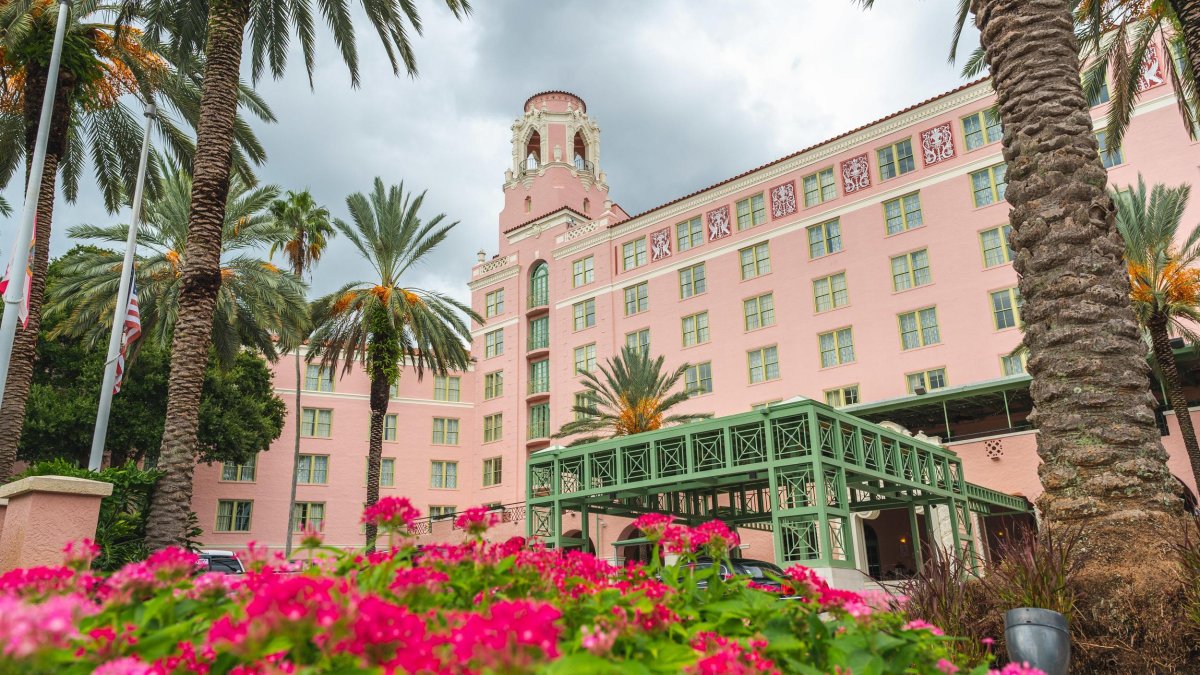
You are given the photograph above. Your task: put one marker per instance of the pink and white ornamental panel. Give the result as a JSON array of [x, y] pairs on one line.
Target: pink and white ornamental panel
[[718, 223], [856, 174], [1152, 69], [937, 144], [783, 200], [660, 244]]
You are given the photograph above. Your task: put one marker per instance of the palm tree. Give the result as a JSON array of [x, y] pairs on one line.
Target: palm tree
[[305, 229], [383, 322], [633, 396], [220, 26], [102, 70], [259, 307], [1166, 285]]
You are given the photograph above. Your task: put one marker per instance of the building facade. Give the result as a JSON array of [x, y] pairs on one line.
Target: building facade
[[870, 272]]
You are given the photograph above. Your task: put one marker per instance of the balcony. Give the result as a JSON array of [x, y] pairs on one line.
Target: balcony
[[539, 380], [539, 335], [539, 422], [539, 299]]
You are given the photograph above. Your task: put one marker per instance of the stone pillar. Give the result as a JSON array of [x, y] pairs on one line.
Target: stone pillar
[[43, 514]]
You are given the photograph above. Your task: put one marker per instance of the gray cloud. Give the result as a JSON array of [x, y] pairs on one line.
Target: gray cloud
[[687, 93]]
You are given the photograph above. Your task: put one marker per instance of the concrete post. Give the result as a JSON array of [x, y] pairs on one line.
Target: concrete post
[[43, 514]]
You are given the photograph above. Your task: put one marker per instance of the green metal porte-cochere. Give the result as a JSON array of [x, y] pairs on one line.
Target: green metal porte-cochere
[[798, 469]]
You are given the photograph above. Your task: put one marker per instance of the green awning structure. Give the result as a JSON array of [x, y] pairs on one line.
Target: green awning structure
[[798, 469]]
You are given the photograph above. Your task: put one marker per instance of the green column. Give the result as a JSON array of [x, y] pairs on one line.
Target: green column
[[915, 535]]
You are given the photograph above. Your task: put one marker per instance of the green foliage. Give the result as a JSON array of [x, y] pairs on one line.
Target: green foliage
[[239, 412], [121, 528]]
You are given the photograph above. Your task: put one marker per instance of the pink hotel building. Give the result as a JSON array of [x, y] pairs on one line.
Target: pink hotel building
[[870, 271]]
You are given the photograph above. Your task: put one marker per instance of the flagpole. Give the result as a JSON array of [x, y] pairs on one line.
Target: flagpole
[[14, 295], [119, 312]]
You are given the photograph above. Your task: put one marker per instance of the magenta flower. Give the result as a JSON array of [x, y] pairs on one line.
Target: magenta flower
[[78, 555], [476, 520], [652, 525], [392, 513]]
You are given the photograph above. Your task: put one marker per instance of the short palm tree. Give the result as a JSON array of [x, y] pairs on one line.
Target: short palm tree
[[382, 321], [1165, 283], [259, 307], [631, 394], [305, 228], [219, 28], [103, 71]]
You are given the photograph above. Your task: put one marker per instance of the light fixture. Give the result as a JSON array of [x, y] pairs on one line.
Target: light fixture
[[903, 540]]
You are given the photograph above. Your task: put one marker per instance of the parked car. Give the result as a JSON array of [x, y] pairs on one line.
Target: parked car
[[762, 574], [221, 562]]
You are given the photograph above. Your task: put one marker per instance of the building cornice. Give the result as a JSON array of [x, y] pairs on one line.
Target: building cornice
[[494, 271], [310, 395]]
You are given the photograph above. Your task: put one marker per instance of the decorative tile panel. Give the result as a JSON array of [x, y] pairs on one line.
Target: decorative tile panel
[[660, 244], [783, 199], [1152, 69], [937, 144], [718, 223], [856, 174]]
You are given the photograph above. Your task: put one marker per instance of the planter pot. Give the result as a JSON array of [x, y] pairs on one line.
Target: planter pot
[[1038, 637]]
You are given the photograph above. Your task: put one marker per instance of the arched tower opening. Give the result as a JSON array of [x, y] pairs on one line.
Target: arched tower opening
[[533, 151], [580, 154]]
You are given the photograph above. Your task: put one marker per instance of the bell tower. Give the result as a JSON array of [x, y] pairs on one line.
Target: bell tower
[[555, 161]]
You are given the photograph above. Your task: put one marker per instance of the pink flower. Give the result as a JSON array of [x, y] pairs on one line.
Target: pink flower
[[514, 635], [715, 537], [26, 628], [653, 524], [392, 513], [946, 667], [476, 520], [1017, 669], [79, 555], [918, 624], [125, 666], [598, 641]]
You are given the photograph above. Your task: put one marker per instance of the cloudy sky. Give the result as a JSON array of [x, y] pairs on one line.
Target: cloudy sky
[[686, 92]]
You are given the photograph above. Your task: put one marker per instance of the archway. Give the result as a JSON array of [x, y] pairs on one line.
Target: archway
[[533, 151], [539, 285], [871, 541], [637, 551], [580, 153], [589, 547]]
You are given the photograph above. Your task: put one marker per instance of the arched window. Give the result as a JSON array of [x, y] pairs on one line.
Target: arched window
[[587, 205], [539, 285], [581, 159], [528, 204], [533, 151]]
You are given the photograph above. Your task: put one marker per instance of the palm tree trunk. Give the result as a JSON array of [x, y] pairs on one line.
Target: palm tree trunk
[[1161, 343], [1099, 443], [291, 526], [379, 403], [20, 373], [201, 276]]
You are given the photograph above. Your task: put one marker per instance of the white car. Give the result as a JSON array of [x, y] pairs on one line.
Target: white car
[[221, 562]]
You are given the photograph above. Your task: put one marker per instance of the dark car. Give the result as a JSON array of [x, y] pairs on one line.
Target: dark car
[[762, 574], [221, 562]]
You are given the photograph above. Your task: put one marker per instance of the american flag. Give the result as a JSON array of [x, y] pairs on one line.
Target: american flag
[[133, 330]]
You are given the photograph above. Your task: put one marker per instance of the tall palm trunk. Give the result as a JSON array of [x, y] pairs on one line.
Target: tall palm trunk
[[20, 373], [201, 276], [1160, 342], [379, 402], [291, 526]]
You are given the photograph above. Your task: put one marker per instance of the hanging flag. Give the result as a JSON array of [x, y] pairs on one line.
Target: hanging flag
[[132, 331], [23, 312]]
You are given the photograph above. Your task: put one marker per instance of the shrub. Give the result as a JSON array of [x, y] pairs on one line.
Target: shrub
[[475, 607]]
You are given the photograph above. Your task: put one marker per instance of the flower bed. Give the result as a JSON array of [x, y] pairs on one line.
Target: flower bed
[[471, 608]]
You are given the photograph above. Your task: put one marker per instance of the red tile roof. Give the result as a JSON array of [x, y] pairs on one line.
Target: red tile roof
[[514, 228]]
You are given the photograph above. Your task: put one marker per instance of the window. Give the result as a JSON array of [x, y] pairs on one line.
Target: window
[[585, 358], [539, 376], [446, 388], [539, 333], [633, 253], [1109, 156], [896, 160], [837, 347], [585, 405], [493, 384], [308, 516], [988, 184], [819, 187], [982, 128], [443, 475], [830, 292], [760, 311], [493, 303], [842, 396], [927, 380], [233, 515], [639, 340], [389, 427], [1101, 95], [1006, 308], [583, 272], [903, 213], [493, 427], [585, 314], [493, 471], [695, 329], [387, 471], [637, 298], [996, 249], [539, 421], [691, 281], [697, 380], [911, 270], [751, 211], [919, 328], [445, 431], [441, 512], [763, 364], [689, 234], [317, 378], [539, 285], [312, 470], [1011, 364], [756, 260], [493, 343], [242, 473], [316, 422], [394, 389], [824, 239], [765, 404]]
